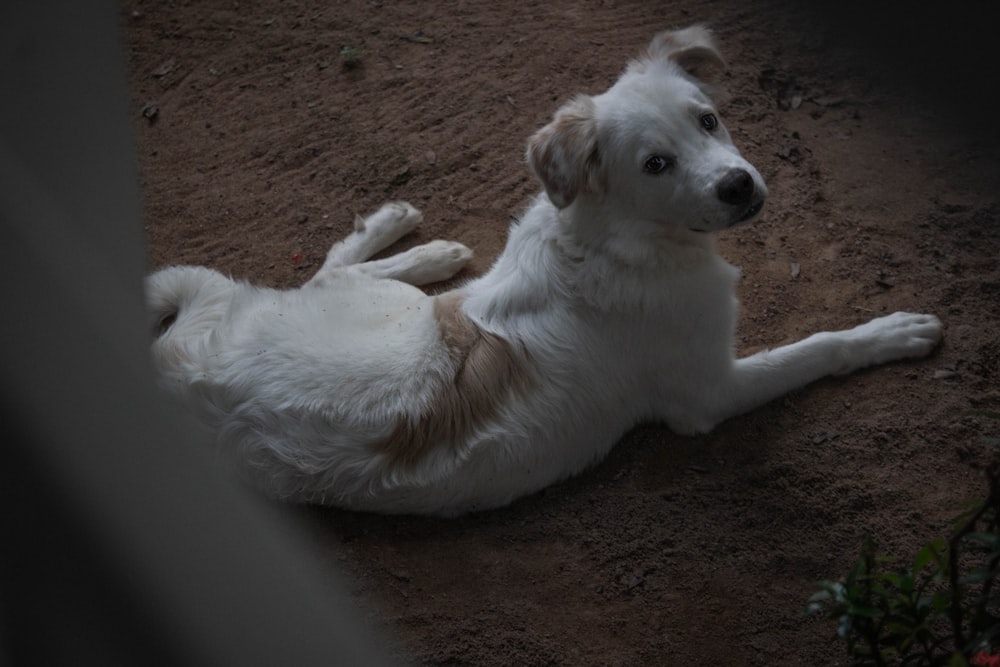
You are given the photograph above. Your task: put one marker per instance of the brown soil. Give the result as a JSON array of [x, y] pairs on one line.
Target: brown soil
[[260, 137]]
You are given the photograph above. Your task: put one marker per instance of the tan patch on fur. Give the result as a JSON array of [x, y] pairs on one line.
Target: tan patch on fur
[[488, 369]]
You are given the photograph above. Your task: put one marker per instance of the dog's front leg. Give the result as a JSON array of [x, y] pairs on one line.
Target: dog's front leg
[[767, 375]]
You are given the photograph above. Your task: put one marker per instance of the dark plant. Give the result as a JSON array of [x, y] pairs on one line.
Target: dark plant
[[943, 609]]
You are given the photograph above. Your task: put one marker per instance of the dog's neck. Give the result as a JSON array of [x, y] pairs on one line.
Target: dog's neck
[[636, 244], [555, 257]]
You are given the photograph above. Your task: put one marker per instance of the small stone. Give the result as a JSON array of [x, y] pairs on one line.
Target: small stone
[[828, 101], [165, 68]]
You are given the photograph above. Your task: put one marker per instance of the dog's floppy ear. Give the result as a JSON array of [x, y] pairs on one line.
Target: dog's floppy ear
[[692, 49], [564, 153]]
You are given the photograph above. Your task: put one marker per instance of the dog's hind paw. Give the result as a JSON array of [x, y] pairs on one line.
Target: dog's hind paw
[[428, 263], [449, 255], [435, 261], [390, 223]]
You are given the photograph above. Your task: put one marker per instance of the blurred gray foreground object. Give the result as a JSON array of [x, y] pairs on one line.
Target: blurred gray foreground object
[[123, 541]]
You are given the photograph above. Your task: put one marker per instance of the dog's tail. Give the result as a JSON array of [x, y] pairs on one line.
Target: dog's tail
[[185, 301]]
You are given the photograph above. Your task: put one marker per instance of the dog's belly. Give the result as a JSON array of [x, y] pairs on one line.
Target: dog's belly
[[363, 314], [358, 343]]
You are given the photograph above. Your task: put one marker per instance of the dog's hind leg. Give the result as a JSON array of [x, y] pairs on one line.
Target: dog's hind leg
[[371, 234], [425, 264]]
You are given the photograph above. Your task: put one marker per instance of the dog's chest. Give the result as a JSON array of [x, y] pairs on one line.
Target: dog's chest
[[650, 323]]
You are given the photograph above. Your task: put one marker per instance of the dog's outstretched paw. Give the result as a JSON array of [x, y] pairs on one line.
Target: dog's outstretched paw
[[898, 336]]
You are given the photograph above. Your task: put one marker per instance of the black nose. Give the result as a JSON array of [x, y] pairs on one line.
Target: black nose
[[736, 187]]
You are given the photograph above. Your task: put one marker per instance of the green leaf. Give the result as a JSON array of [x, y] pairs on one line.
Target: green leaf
[[831, 590], [900, 629], [820, 596], [941, 601], [957, 660], [894, 579], [991, 540], [930, 552], [864, 611], [902, 582], [976, 577]]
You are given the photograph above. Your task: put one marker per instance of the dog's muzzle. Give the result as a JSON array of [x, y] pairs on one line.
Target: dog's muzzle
[[751, 211], [738, 189]]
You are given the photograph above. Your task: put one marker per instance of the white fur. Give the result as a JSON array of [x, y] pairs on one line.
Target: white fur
[[608, 307]]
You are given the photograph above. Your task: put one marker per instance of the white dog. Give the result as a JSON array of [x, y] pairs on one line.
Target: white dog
[[608, 307]]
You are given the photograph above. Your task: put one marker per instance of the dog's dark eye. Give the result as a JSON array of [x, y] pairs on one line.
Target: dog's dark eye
[[657, 164], [709, 121]]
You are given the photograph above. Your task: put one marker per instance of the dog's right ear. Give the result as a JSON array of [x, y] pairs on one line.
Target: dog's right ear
[[564, 154]]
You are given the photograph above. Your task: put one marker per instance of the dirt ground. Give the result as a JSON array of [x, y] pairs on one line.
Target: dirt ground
[[263, 127]]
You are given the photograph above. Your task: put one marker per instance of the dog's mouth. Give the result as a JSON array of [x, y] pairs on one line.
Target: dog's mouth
[[751, 212]]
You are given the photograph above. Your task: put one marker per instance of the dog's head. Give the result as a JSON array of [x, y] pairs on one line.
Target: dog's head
[[652, 148]]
